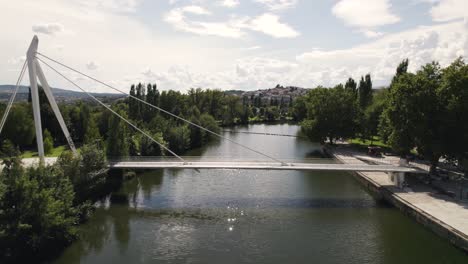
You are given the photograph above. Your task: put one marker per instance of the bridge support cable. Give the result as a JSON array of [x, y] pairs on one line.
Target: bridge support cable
[[13, 96], [114, 112], [164, 111]]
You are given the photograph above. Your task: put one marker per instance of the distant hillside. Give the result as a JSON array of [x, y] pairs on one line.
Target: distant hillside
[[234, 92], [61, 95], [278, 91]]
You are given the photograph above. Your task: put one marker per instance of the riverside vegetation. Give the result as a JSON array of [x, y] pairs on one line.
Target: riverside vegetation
[[424, 112], [40, 207], [89, 122]]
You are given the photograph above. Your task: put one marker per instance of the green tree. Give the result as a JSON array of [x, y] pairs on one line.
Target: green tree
[[37, 217], [413, 114], [428, 134], [272, 113], [19, 127], [401, 69], [453, 94], [351, 85], [399, 114], [196, 134], [207, 121], [384, 129], [178, 139], [9, 153], [332, 113], [92, 131], [117, 137], [132, 103], [48, 142], [365, 91], [246, 113], [87, 171], [79, 116], [48, 118], [299, 108], [149, 147]]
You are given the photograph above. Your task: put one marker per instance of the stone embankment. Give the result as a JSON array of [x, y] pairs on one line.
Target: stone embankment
[[441, 214]]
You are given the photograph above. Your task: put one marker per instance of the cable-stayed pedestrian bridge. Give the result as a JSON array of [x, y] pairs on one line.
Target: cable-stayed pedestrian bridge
[[318, 164], [35, 59]]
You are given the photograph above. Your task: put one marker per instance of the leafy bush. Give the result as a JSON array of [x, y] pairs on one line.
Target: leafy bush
[[37, 216]]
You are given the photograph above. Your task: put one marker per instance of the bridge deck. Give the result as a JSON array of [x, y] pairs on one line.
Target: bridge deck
[[259, 166]]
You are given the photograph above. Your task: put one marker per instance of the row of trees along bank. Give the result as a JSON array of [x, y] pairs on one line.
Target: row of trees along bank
[[89, 122], [425, 111]]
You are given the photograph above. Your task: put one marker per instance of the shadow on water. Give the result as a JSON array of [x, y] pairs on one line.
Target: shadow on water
[[92, 238], [111, 220]]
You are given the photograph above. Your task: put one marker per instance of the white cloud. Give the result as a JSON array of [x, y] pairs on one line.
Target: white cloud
[[48, 28], [365, 15], [234, 27], [17, 60], [148, 73], [371, 34], [270, 25], [193, 9], [229, 3], [253, 48], [278, 5], [102, 36], [446, 10], [180, 61], [422, 45], [112, 5], [59, 47], [92, 65], [178, 19]]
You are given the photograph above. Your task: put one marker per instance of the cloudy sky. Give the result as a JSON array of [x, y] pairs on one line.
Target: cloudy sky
[[232, 44]]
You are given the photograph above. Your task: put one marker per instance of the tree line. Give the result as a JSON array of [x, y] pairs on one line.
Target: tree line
[[89, 122], [425, 111]]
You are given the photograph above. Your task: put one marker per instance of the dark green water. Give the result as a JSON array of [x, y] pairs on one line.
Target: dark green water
[[231, 216]]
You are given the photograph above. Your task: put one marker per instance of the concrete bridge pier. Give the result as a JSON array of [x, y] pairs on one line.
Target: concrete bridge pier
[[398, 178]]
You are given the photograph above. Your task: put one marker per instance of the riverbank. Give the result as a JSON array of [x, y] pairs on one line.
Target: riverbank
[[439, 213]]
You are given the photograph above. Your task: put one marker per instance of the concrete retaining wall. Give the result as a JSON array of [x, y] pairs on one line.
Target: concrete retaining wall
[[433, 224]]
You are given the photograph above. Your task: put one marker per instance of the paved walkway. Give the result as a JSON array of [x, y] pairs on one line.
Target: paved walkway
[[256, 165], [28, 162], [442, 208], [35, 161]]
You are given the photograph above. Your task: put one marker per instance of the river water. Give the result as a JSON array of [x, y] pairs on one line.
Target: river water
[[238, 216]]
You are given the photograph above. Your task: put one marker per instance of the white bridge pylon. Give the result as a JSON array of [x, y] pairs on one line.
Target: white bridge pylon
[[35, 73]]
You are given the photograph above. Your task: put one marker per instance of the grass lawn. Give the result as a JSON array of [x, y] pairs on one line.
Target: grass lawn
[[55, 152], [376, 141]]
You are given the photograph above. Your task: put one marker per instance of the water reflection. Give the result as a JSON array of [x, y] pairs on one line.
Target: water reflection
[[93, 237], [231, 216], [151, 183]]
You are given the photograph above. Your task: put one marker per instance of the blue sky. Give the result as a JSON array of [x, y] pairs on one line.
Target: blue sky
[[232, 44]]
